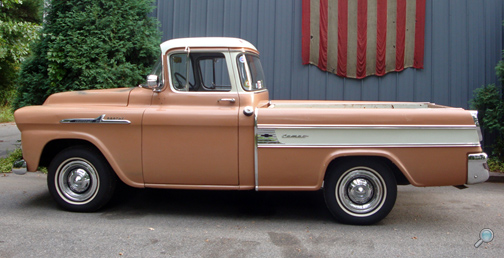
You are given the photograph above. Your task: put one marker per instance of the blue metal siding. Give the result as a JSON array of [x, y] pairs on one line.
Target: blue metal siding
[[463, 43]]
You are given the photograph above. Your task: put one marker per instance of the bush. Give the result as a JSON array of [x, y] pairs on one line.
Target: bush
[[495, 165], [499, 68], [6, 163], [6, 114], [90, 44], [490, 105]]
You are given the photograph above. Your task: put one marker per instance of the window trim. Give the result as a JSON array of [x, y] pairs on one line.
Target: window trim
[[247, 71], [228, 61]]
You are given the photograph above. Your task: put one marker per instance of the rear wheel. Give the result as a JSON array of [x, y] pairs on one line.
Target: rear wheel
[[360, 191], [80, 179]]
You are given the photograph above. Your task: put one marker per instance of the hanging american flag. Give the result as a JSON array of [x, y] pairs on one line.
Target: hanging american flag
[[358, 38]]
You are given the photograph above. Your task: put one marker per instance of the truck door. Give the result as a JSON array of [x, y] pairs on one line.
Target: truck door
[[190, 133]]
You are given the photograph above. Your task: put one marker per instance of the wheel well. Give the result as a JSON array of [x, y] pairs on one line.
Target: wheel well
[[399, 176], [56, 146]]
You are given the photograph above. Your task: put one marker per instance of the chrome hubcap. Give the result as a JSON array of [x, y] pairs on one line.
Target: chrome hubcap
[[360, 191], [77, 181]]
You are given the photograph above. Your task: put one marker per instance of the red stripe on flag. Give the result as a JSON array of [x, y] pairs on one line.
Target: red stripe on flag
[[419, 34], [305, 32], [400, 34], [322, 64], [342, 37], [361, 38], [381, 37]]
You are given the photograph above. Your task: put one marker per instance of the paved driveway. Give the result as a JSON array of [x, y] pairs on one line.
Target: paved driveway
[[436, 222]]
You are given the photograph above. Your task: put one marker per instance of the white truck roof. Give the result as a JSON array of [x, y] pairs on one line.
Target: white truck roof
[[206, 42]]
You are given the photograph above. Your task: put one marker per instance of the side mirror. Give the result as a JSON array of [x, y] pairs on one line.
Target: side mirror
[[152, 81]]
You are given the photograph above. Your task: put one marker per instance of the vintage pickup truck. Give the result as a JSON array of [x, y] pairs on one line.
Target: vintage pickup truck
[[204, 120]]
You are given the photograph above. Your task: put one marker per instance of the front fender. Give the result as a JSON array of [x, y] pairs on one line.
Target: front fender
[[124, 157]]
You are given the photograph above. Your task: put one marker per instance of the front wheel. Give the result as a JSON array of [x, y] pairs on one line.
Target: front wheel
[[360, 191], [80, 179]]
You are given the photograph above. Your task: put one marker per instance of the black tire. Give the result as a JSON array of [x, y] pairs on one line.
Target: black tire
[[360, 191], [93, 179]]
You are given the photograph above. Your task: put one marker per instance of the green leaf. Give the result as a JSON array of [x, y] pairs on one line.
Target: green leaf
[[90, 44]]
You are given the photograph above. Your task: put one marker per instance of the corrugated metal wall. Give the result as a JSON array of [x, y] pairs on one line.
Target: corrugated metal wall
[[463, 43]]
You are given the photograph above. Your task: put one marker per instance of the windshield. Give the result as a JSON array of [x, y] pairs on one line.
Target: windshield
[[251, 72]]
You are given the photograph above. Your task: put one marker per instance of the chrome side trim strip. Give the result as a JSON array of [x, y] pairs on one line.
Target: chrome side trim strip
[[256, 161], [297, 126], [99, 120], [409, 145]]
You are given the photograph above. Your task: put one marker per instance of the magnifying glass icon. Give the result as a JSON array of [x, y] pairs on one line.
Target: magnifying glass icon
[[486, 235]]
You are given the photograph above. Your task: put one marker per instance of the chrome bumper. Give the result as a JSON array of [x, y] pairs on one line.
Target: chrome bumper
[[477, 168], [19, 167]]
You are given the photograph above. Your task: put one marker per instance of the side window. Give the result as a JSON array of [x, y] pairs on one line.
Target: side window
[[203, 72], [214, 73], [251, 72], [180, 71]]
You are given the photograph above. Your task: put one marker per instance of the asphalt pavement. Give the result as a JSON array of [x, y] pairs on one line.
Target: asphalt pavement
[[425, 222]]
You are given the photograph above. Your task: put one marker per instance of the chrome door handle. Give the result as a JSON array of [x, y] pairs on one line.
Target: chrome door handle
[[231, 100]]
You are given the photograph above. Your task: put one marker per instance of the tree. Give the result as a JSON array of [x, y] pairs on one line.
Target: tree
[[90, 44], [19, 25]]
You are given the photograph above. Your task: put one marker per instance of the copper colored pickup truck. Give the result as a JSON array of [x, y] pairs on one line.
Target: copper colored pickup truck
[[203, 120]]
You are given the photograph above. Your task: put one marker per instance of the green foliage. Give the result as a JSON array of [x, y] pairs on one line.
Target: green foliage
[[495, 165], [490, 105], [499, 68], [90, 44], [42, 169], [6, 163], [19, 26], [6, 114], [17, 154], [489, 101]]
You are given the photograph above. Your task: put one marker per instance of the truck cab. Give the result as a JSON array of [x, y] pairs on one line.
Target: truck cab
[[202, 107]]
